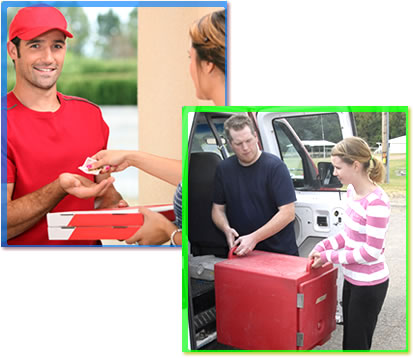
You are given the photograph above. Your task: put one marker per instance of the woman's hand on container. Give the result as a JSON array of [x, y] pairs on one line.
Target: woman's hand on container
[[316, 257]]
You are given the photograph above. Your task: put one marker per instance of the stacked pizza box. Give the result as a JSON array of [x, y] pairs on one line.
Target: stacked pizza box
[[108, 224]]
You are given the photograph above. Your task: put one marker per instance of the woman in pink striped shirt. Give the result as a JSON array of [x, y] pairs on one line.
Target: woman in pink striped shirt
[[359, 248]]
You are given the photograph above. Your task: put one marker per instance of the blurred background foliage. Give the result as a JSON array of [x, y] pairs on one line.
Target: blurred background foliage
[[369, 126], [101, 58]]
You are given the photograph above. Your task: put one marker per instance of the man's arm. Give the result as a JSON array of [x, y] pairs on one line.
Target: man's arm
[[219, 217], [111, 198], [23, 213], [279, 221], [26, 211]]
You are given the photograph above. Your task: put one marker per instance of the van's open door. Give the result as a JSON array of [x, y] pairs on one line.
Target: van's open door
[[304, 141]]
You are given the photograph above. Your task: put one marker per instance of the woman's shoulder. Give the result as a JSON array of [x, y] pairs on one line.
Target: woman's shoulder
[[378, 204], [379, 195]]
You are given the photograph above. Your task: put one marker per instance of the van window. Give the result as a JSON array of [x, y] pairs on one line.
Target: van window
[[318, 132], [204, 139], [290, 155], [293, 155], [304, 142]]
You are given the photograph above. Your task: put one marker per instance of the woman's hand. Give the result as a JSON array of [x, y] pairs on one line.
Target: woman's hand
[[155, 229], [315, 255], [110, 161]]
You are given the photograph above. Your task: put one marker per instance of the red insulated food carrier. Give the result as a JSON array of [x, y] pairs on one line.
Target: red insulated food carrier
[[268, 301]]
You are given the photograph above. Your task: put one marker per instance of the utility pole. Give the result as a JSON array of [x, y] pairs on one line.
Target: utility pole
[[385, 142]]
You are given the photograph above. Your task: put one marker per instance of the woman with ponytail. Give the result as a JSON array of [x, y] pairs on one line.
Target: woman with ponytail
[[359, 248]]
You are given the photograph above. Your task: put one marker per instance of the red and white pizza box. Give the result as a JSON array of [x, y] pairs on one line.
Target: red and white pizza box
[[106, 217], [106, 224], [92, 232]]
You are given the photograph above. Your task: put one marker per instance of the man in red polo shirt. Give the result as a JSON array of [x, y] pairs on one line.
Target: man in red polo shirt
[[49, 134]]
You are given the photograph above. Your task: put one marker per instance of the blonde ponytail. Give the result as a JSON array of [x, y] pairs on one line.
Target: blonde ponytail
[[377, 171]]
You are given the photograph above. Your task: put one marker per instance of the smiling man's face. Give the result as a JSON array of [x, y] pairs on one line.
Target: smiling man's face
[[41, 60]]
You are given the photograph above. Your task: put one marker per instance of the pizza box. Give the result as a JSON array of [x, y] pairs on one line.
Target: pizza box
[[106, 224]]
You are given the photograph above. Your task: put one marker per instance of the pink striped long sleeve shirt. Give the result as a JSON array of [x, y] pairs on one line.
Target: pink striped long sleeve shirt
[[360, 246]]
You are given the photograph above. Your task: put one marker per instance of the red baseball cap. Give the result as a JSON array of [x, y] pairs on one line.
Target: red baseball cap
[[31, 22]]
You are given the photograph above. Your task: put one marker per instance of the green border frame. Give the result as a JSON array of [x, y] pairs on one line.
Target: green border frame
[[185, 130]]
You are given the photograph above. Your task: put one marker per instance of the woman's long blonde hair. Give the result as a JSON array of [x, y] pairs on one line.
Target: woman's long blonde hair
[[353, 149]]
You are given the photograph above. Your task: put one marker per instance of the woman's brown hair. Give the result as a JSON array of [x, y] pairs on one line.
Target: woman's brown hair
[[208, 38]]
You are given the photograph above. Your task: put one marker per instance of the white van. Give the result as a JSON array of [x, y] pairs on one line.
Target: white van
[[320, 198]]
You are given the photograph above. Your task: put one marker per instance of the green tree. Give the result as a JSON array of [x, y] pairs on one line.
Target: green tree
[[369, 126], [132, 27], [78, 25], [397, 124], [117, 40], [109, 28], [108, 24], [11, 12]]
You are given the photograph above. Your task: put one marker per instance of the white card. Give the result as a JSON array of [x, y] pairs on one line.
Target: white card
[[84, 168]]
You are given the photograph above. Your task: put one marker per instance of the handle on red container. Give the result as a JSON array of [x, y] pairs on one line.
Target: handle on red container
[[231, 254], [309, 265]]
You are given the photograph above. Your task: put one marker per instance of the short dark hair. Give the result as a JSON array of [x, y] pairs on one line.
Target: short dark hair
[[16, 41], [237, 122]]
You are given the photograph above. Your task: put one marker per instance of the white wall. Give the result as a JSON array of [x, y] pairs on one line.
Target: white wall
[[398, 145]]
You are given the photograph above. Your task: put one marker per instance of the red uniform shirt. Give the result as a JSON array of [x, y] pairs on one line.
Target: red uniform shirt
[[42, 145]]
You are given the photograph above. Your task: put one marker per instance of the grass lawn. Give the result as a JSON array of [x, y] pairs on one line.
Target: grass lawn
[[397, 182]]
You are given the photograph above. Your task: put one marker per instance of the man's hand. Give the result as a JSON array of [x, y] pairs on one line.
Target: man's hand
[[154, 230], [110, 201], [245, 244], [219, 217], [82, 187], [23, 213], [231, 234], [122, 204]]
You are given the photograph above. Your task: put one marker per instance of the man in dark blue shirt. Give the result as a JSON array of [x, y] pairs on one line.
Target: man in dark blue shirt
[[254, 196]]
